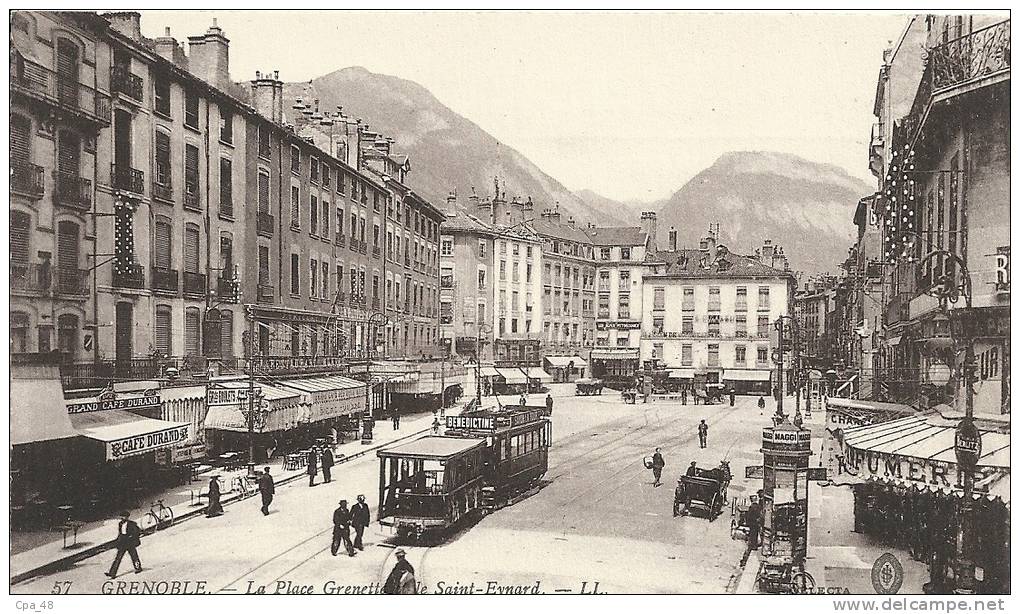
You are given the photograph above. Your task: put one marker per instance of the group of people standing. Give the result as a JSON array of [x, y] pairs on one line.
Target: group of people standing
[[320, 456]]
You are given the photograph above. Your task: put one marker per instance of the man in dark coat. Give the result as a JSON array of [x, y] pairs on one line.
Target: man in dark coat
[[313, 466], [753, 518], [396, 420], [703, 434], [657, 464], [733, 397], [678, 498], [327, 464], [361, 517], [267, 488], [761, 405], [401, 578], [549, 403], [692, 471], [215, 507], [683, 396], [129, 537], [342, 529]]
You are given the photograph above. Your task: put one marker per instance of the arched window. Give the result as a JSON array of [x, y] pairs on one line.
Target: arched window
[[19, 332], [192, 326], [164, 330], [67, 334]]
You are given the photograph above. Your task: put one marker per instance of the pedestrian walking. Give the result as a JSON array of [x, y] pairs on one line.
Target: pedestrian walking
[[761, 406], [267, 488], [523, 401], [657, 464], [678, 497], [733, 397], [312, 467], [342, 529], [327, 464], [683, 396], [215, 507], [361, 517], [401, 579], [395, 419], [753, 517], [703, 434], [548, 403], [129, 537], [435, 426]]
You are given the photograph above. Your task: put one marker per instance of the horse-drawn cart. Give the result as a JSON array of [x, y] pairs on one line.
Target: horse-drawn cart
[[588, 387], [706, 490]]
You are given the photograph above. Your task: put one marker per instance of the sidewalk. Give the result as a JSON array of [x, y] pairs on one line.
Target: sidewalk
[[96, 537]]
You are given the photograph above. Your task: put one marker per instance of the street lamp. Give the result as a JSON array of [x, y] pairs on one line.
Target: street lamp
[[486, 329], [967, 442], [374, 322]]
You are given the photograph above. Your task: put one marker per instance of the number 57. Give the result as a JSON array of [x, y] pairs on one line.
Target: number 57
[[61, 588]]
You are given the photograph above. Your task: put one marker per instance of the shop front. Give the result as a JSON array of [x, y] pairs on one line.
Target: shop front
[[617, 367], [331, 407], [565, 368], [226, 425], [909, 488], [748, 381]]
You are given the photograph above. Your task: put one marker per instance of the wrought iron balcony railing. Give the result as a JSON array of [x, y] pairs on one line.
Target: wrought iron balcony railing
[[127, 178], [40, 82], [73, 190], [163, 191], [341, 240], [72, 282], [194, 283], [123, 81], [264, 223], [165, 280], [978, 54], [27, 178], [31, 277], [133, 277], [226, 290]]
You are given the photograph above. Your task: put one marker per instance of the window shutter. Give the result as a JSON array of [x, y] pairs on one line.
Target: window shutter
[[67, 246], [69, 153], [164, 238], [227, 334], [21, 138], [163, 331], [263, 193], [163, 166], [21, 225], [226, 187], [191, 330], [191, 253]]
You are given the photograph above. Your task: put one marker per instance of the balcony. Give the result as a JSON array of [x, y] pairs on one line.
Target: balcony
[[126, 83], [165, 280], [714, 306], [73, 191], [341, 240], [264, 224], [191, 198], [375, 303], [132, 277], [376, 252], [127, 179], [27, 179], [982, 53], [265, 293], [226, 290], [362, 247], [73, 282], [40, 83], [407, 261], [194, 283], [98, 375], [31, 277], [357, 301]]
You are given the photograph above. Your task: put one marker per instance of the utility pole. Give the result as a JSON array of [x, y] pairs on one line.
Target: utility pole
[[251, 394]]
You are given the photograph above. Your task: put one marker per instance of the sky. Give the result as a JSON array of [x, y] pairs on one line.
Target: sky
[[630, 105]]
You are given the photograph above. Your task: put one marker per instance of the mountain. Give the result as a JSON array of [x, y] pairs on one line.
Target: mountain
[[447, 151], [614, 212], [805, 207]]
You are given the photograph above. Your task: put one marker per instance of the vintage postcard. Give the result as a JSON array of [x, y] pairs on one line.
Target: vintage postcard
[[510, 303]]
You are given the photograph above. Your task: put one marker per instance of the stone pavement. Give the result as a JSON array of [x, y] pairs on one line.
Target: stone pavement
[[44, 551]]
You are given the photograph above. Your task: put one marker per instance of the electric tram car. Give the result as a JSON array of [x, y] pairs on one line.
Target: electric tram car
[[487, 458]]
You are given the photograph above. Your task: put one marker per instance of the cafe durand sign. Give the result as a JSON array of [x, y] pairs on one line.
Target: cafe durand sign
[[140, 444]]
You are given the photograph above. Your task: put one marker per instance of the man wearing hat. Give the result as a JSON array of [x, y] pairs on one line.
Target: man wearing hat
[[128, 539], [361, 517], [342, 529], [401, 579], [678, 497]]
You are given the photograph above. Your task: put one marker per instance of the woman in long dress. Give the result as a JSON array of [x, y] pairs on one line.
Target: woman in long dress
[[215, 507]]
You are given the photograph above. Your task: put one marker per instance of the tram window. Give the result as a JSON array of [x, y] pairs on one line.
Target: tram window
[[434, 481]]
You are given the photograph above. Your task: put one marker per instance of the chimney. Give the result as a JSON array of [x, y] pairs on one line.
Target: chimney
[[672, 239], [767, 251], [128, 23], [267, 96], [168, 49], [451, 200], [570, 221], [553, 215], [650, 226], [382, 145], [500, 211], [708, 245], [209, 57]]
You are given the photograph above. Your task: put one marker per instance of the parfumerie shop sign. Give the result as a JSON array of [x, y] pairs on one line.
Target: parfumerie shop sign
[[142, 402], [854, 465]]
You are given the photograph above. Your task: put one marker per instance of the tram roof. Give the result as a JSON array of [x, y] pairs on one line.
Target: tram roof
[[434, 447]]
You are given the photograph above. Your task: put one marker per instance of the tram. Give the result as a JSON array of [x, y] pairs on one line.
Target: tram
[[488, 458]]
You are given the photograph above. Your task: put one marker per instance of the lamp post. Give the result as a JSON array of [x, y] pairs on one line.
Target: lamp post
[[478, 360], [374, 322], [777, 356], [967, 444]]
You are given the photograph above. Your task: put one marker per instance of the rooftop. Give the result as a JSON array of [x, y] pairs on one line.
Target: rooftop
[[694, 263], [617, 235]]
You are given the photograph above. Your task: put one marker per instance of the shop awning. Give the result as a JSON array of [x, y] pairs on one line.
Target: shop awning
[[38, 412], [681, 374], [747, 375], [513, 376], [918, 448], [328, 397], [283, 412], [126, 434], [615, 354], [579, 362], [893, 340], [559, 361], [539, 374], [488, 371]]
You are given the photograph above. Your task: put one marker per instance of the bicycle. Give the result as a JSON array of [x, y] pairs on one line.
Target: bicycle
[[244, 489], [160, 516]]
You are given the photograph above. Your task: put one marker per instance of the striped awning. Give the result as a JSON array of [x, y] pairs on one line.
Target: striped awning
[[513, 376], [539, 374], [488, 371]]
